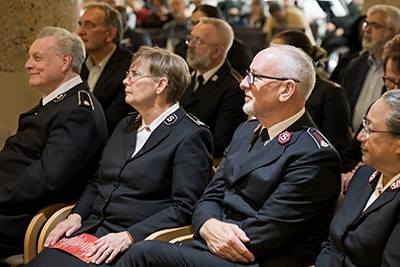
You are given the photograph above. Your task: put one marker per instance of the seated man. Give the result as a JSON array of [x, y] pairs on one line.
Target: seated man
[[58, 143], [271, 201], [217, 100], [366, 230], [100, 27]]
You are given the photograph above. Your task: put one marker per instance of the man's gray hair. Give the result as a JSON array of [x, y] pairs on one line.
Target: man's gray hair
[[392, 15], [66, 43], [296, 64], [224, 30]]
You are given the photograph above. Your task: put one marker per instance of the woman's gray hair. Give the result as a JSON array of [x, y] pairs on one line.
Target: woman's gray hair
[[392, 101], [66, 43], [163, 63]]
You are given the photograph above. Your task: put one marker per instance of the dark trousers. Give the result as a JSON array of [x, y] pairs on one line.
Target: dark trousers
[[156, 254], [162, 254]]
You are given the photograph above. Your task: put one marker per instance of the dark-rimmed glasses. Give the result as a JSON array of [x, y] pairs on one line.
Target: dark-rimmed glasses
[[374, 25], [134, 75], [196, 41], [390, 83], [369, 131], [251, 76]]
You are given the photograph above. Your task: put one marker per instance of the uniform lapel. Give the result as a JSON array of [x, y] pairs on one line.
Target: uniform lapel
[[245, 163], [130, 136], [386, 196], [261, 157], [359, 201], [41, 108], [161, 132]]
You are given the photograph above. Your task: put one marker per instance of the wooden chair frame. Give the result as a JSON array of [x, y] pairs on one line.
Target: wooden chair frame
[[173, 235], [51, 223]]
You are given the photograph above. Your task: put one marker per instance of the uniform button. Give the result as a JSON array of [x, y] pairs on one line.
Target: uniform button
[[228, 212], [232, 191]]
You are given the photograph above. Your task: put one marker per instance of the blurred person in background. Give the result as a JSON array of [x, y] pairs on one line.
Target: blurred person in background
[[327, 104]]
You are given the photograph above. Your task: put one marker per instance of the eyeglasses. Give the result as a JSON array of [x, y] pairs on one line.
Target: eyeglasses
[[134, 75], [374, 25], [390, 83], [194, 22], [251, 76], [369, 131], [196, 41]]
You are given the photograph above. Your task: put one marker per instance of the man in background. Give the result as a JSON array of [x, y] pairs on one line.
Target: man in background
[[100, 28], [362, 78], [214, 95]]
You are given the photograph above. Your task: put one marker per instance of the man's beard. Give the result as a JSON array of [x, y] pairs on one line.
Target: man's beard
[[248, 108], [198, 62]]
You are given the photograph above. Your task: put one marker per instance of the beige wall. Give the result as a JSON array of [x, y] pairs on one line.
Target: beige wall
[[368, 3], [16, 97], [20, 21]]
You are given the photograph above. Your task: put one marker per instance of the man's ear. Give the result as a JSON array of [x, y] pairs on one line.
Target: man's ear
[[112, 32], [218, 51], [287, 90], [66, 61]]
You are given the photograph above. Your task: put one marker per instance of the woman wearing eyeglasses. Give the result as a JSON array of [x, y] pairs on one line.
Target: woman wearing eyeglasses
[[351, 159], [365, 231], [153, 169]]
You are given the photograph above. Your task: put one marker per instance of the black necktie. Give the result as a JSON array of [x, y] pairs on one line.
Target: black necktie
[[259, 139], [200, 81], [264, 135]]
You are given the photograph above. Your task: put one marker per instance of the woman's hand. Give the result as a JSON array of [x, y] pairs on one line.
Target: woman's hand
[[64, 228], [109, 246]]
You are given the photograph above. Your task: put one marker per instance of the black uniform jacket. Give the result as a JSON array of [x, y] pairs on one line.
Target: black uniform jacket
[[51, 158], [155, 189], [281, 195], [369, 238], [218, 103]]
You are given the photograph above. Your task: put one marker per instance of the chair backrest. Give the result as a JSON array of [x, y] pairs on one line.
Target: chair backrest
[[34, 228], [254, 38], [51, 223]]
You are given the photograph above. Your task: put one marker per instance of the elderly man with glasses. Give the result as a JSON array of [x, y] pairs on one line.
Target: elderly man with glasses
[[362, 78], [214, 95], [272, 199]]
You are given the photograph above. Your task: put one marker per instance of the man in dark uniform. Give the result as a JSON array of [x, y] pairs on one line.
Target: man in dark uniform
[[217, 100], [58, 143], [100, 28], [272, 199]]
